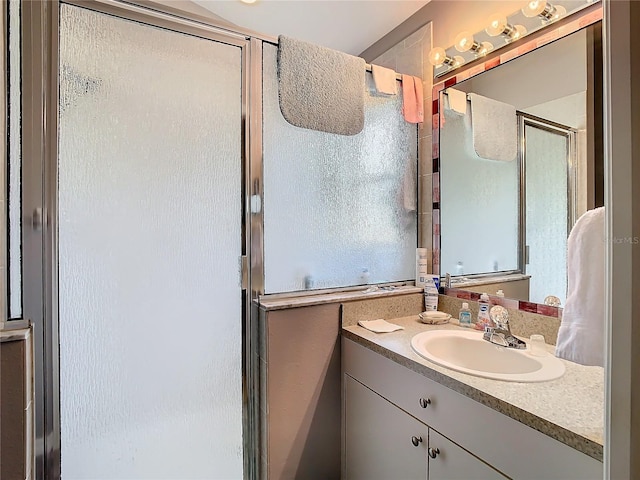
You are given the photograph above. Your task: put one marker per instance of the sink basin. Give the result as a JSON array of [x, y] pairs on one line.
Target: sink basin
[[468, 352]]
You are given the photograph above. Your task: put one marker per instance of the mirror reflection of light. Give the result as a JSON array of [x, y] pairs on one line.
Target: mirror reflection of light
[[534, 8]]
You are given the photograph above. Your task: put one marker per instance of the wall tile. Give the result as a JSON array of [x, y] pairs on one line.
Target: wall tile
[[426, 204], [416, 37], [409, 61], [425, 164], [425, 230], [427, 104]]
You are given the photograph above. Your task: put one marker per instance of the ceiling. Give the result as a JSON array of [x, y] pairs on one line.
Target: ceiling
[[350, 26]]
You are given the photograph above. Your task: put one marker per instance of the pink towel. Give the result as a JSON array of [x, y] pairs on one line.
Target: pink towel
[[412, 99]]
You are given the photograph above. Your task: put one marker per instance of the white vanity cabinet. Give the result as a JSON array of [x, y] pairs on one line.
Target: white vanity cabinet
[[383, 442], [385, 404], [449, 461]]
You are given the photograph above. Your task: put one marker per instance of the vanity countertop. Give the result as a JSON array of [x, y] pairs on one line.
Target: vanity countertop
[[569, 409]]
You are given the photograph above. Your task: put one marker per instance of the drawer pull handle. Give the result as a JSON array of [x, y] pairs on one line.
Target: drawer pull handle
[[425, 402], [416, 441], [433, 452]]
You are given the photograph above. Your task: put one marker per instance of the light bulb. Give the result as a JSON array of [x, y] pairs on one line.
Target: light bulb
[[558, 12], [497, 25], [437, 56], [534, 8], [464, 41]]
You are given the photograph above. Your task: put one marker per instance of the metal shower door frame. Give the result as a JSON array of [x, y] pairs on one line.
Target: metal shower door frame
[[40, 30], [525, 120]]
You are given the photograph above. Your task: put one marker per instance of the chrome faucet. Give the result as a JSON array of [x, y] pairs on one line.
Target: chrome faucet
[[501, 333]]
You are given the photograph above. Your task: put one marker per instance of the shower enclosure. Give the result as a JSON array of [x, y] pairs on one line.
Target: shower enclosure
[[141, 368], [548, 185]]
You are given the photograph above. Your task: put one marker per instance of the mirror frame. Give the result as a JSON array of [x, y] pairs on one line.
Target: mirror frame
[[571, 24]]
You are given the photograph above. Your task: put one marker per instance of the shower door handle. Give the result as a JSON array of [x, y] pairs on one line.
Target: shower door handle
[[37, 219]]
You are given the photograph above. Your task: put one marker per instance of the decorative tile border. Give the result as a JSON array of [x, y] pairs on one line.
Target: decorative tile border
[[582, 19], [529, 307]]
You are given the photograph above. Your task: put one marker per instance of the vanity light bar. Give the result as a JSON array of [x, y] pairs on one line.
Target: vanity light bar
[[535, 15]]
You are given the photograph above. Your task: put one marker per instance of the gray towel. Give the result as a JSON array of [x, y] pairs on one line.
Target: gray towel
[[320, 88], [495, 128]]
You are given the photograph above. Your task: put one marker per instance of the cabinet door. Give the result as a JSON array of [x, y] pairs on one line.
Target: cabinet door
[[448, 461], [381, 441]]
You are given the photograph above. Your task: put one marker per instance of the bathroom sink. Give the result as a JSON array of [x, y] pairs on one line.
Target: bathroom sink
[[468, 352]]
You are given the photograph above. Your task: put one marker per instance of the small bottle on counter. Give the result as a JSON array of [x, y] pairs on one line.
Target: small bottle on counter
[[500, 293], [484, 320], [464, 316]]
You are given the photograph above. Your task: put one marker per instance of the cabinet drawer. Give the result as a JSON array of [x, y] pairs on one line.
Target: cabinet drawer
[[511, 447]]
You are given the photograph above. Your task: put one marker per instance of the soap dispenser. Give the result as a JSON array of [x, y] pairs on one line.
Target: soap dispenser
[[464, 316], [484, 320]]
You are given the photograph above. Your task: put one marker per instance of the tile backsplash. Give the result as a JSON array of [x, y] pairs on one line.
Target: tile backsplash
[[523, 323]]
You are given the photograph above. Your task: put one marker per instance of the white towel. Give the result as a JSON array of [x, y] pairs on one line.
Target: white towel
[[457, 101], [581, 333], [384, 80], [495, 131], [379, 326]]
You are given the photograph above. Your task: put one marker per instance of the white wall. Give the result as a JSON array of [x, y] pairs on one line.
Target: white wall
[[554, 71]]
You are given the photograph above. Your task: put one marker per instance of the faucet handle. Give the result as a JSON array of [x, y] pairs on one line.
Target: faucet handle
[[500, 317]]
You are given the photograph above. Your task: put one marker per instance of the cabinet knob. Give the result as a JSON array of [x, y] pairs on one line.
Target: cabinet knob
[[433, 452], [416, 441], [425, 402]]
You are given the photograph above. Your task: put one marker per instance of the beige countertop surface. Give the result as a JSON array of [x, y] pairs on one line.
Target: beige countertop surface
[[569, 409]]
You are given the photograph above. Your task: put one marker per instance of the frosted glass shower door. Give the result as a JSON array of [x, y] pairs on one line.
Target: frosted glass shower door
[[547, 210], [150, 218]]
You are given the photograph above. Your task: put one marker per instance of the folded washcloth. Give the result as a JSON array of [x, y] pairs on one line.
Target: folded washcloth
[[379, 326], [384, 79], [412, 99], [457, 101]]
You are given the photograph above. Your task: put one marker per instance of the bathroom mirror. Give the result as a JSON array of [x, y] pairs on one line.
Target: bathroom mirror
[[503, 225]]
